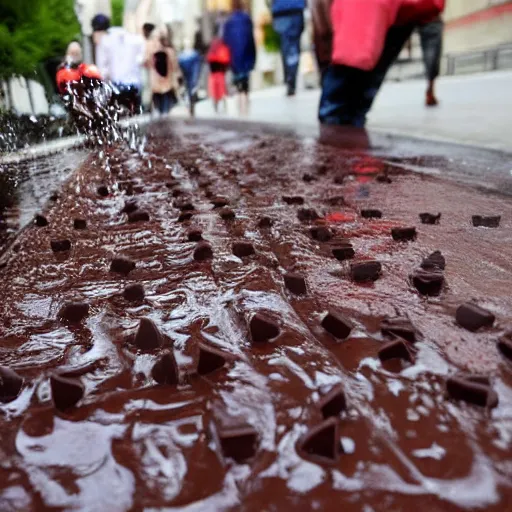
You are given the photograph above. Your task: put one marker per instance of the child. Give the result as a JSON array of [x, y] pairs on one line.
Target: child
[[218, 58]]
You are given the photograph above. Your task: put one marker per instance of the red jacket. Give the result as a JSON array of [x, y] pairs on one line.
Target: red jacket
[[67, 75]]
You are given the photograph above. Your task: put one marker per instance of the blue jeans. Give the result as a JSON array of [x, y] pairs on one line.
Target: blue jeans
[[290, 27], [348, 93]]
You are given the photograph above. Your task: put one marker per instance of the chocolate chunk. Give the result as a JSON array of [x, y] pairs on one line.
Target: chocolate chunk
[[122, 265], [195, 235], [40, 221], [365, 271], [185, 216], [486, 222], [401, 327], [177, 192], [227, 213], [428, 282], [265, 222], [472, 392], [307, 215], [184, 205], [243, 249], [103, 191], [60, 245], [66, 392], [210, 360], [337, 324], [148, 337], [219, 202], [54, 197], [334, 402], [138, 216], [134, 293], [371, 214], [263, 328], [343, 251], [505, 345], [435, 261], [339, 179], [404, 234], [320, 444], [10, 384], [321, 233], [295, 283], [396, 349], [473, 317], [336, 201], [308, 178], [80, 224], [165, 370], [235, 438], [322, 169], [203, 251], [293, 200], [383, 178], [430, 218], [130, 206], [74, 312]]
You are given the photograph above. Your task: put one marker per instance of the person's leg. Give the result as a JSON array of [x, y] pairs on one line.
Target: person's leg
[[431, 37], [293, 59], [166, 103], [157, 102], [280, 25]]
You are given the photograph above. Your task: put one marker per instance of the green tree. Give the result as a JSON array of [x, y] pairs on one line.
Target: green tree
[[117, 13]]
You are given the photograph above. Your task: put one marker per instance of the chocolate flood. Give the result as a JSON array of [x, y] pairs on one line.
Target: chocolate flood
[[213, 384]]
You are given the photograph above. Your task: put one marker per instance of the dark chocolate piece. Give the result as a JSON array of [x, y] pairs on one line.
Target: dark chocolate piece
[[430, 218], [321, 233], [435, 260], [54, 197], [336, 201], [320, 444], [308, 178], [473, 317], [400, 327], [184, 205], [307, 215], [138, 216], [40, 221], [60, 245], [365, 271], [195, 235], [10, 384], [486, 222], [243, 249], [505, 345], [383, 178], [263, 328], [80, 224], [295, 283], [339, 179], [428, 282], [148, 337], [203, 251], [134, 293], [472, 392], [343, 251], [66, 392], [334, 402], [337, 324], [165, 370], [293, 200], [122, 265], [371, 214], [74, 312], [404, 234], [130, 206], [210, 360], [185, 216], [396, 349], [219, 202], [103, 191], [265, 222], [227, 213], [177, 192]]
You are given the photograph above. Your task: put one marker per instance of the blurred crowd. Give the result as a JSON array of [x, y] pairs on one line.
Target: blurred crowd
[[355, 43]]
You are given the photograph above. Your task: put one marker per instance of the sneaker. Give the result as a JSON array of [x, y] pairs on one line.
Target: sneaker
[[431, 100]]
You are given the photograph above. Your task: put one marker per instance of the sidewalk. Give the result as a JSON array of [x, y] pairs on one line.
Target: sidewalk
[[475, 110]]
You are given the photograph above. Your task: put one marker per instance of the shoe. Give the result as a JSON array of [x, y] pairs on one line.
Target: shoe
[[290, 91], [431, 100]]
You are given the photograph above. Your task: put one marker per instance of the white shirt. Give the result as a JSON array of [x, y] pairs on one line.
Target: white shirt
[[119, 57]]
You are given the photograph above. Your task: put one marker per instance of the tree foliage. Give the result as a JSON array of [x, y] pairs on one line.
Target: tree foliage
[[117, 13], [32, 31]]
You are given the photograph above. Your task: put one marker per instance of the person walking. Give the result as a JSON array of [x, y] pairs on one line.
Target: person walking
[[218, 58], [191, 62], [164, 71], [356, 43], [288, 22], [239, 38], [431, 38]]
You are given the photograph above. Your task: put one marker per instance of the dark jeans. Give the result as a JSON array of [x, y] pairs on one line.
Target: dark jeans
[[348, 93], [431, 37], [290, 27], [164, 102]]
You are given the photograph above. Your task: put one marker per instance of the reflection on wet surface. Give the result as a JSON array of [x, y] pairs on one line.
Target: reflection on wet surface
[[130, 444]]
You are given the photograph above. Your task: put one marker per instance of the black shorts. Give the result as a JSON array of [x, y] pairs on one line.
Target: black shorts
[[241, 82]]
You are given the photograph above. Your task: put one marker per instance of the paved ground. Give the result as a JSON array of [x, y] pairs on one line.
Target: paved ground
[[475, 110]]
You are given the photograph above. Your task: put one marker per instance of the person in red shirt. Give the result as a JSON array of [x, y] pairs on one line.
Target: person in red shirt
[[218, 58]]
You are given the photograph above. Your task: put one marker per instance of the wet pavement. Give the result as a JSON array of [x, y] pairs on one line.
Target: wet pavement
[[264, 378]]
